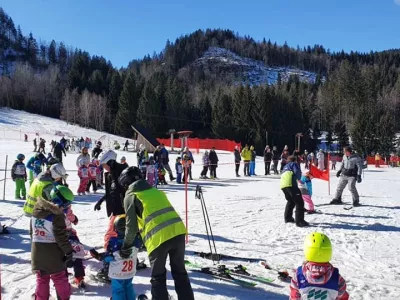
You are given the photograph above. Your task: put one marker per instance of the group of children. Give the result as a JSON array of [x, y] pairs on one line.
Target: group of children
[[182, 168], [89, 173], [56, 247]]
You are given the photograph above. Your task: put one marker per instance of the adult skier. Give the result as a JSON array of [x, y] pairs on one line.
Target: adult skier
[[58, 150], [126, 145], [290, 175], [190, 155], [149, 212], [213, 157], [114, 195], [284, 157], [349, 173], [276, 157], [165, 161], [238, 158], [97, 150], [85, 156], [267, 160], [321, 160], [42, 186], [246, 154]]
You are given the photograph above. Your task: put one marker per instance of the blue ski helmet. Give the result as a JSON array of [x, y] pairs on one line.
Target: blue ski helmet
[[20, 156]]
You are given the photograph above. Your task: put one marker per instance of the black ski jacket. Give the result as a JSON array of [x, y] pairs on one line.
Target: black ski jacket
[[267, 156], [96, 152], [114, 192], [58, 151]]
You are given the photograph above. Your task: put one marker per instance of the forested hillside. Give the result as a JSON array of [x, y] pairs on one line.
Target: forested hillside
[[350, 93]]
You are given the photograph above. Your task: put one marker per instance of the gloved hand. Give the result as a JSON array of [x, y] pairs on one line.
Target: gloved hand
[[97, 206], [125, 252], [359, 179], [69, 260], [338, 174], [76, 220]]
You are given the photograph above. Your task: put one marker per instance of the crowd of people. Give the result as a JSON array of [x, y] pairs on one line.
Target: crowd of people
[[141, 216]]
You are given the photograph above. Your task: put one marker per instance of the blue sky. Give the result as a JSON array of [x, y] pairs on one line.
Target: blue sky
[[122, 30]]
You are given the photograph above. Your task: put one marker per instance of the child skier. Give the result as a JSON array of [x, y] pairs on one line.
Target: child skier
[[51, 252], [305, 186], [58, 193], [206, 165], [179, 170], [121, 270], [18, 175], [186, 168], [83, 174], [161, 175], [30, 165], [93, 171], [151, 172], [317, 276]]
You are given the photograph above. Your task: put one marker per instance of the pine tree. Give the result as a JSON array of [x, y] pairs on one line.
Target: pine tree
[[222, 125], [113, 99], [341, 135], [62, 58], [386, 133], [52, 52], [32, 50], [149, 110], [127, 105], [205, 111]]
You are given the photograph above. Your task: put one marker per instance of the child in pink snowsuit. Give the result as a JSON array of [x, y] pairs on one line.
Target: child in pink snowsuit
[[305, 186], [83, 173], [151, 173], [93, 171]]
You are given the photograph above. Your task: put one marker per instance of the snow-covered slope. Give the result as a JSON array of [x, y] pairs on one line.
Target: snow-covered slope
[[247, 219], [14, 124], [248, 70]]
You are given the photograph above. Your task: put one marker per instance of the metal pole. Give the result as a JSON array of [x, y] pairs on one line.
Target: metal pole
[[186, 202], [266, 137], [5, 179]]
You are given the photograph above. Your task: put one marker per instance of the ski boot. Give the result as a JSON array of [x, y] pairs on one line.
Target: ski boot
[[4, 230], [336, 201]]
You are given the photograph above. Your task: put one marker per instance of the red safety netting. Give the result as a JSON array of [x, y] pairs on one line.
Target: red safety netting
[[371, 161], [197, 144]]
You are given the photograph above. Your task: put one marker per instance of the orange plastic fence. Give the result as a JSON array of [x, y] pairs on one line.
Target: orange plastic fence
[[196, 143]]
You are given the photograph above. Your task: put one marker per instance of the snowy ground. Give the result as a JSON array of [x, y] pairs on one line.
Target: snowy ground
[[247, 219]]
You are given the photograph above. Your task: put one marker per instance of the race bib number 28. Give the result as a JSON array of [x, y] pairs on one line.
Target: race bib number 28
[[123, 268]]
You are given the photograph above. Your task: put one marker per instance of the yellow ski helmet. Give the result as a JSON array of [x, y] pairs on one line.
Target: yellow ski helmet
[[317, 248]]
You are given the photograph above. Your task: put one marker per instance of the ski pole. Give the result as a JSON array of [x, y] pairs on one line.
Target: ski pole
[[209, 224], [198, 196]]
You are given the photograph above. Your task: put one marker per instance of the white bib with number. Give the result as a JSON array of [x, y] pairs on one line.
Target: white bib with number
[[79, 250], [121, 268], [85, 173], [42, 231], [20, 170]]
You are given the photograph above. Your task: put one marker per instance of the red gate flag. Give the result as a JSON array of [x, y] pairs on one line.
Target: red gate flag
[[318, 174]]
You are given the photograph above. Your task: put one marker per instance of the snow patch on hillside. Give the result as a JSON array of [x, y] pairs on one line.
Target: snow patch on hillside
[[250, 71]]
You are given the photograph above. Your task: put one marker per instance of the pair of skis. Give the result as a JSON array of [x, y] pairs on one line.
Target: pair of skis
[[237, 275]]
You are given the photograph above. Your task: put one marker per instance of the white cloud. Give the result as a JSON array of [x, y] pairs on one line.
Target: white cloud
[[397, 2]]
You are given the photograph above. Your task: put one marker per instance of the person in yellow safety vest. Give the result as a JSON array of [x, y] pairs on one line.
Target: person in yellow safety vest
[[377, 160], [246, 154], [149, 212], [42, 186]]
